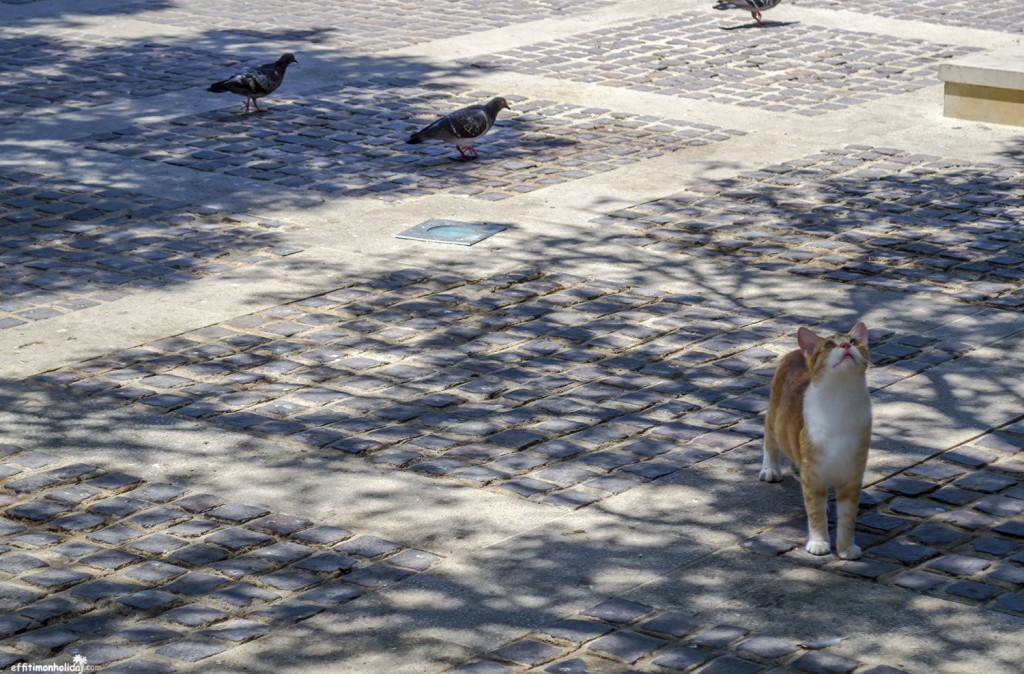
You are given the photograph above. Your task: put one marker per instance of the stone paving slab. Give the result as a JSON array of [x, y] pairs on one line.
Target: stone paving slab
[[864, 215], [68, 246], [153, 576], [547, 386], [803, 69], [997, 15], [619, 636], [950, 527], [351, 142]]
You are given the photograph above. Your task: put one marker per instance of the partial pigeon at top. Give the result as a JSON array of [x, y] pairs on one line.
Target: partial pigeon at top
[[463, 126], [753, 6], [255, 82]]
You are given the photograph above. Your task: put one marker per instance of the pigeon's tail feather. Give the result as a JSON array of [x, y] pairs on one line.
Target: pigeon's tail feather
[[415, 139], [218, 87]]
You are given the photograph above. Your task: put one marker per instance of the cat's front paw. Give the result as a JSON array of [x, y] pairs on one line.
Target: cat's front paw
[[852, 552], [818, 548], [770, 475]]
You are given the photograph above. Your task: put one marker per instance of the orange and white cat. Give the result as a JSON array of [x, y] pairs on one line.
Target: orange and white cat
[[819, 416]]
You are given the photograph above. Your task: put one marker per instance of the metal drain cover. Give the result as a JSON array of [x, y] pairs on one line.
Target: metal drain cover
[[439, 230]]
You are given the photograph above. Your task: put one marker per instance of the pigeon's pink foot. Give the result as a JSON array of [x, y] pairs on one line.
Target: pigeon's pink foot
[[462, 152]]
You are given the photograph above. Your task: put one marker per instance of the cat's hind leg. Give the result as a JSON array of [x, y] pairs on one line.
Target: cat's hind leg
[[770, 469], [816, 505], [847, 499]]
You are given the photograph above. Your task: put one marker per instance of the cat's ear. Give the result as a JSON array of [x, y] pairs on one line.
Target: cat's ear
[[807, 340], [860, 331]]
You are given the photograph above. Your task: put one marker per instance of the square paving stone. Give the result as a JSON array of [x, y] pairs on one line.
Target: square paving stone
[[367, 546], [627, 645], [283, 553], [18, 563], [768, 648], [197, 503], [147, 600], [959, 565], [417, 560], [682, 657], [528, 652], [237, 630], [99, 653], [618, 611], [154, 571], [719, 636], [101, 589], [237, 512], [50, 637], [377, 575], [576, 630], [50, 608], [288, 612], [195, 583], [190, 650], [1013, 603], [922, 581], [236, 539], [194, 615], [149, 634], [671, 623], [55, 579], [243, 595], [728, 664], [110, 559], [969, 589]]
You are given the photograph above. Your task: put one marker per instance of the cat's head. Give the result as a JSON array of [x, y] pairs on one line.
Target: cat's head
[[841, 353]]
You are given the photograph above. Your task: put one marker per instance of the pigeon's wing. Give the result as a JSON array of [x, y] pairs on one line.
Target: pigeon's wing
[[266, 78], [469, 122]]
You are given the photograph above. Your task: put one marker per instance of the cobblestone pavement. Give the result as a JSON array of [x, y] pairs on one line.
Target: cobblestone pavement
[[151, 576], [619, 636], [950, 526], [803, 69], [554, 387], [510, 458], [69, 246], [999, 15], [367, 27], [323, 142], [872, 216], [57, 72]]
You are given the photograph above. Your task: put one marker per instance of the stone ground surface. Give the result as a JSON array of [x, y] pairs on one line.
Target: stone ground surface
[[246, 428]]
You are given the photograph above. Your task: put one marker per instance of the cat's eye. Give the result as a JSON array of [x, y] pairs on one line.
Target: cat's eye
[[853, 340], [830, 344]]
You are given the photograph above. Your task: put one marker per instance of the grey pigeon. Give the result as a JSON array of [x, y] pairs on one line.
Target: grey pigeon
[[463, 126], [255, 82], [753, 6]]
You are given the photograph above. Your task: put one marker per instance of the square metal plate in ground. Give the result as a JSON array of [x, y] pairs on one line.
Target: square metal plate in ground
[[439, 230]]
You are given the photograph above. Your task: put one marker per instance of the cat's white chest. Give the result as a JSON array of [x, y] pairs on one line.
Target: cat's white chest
[[838, 419]]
